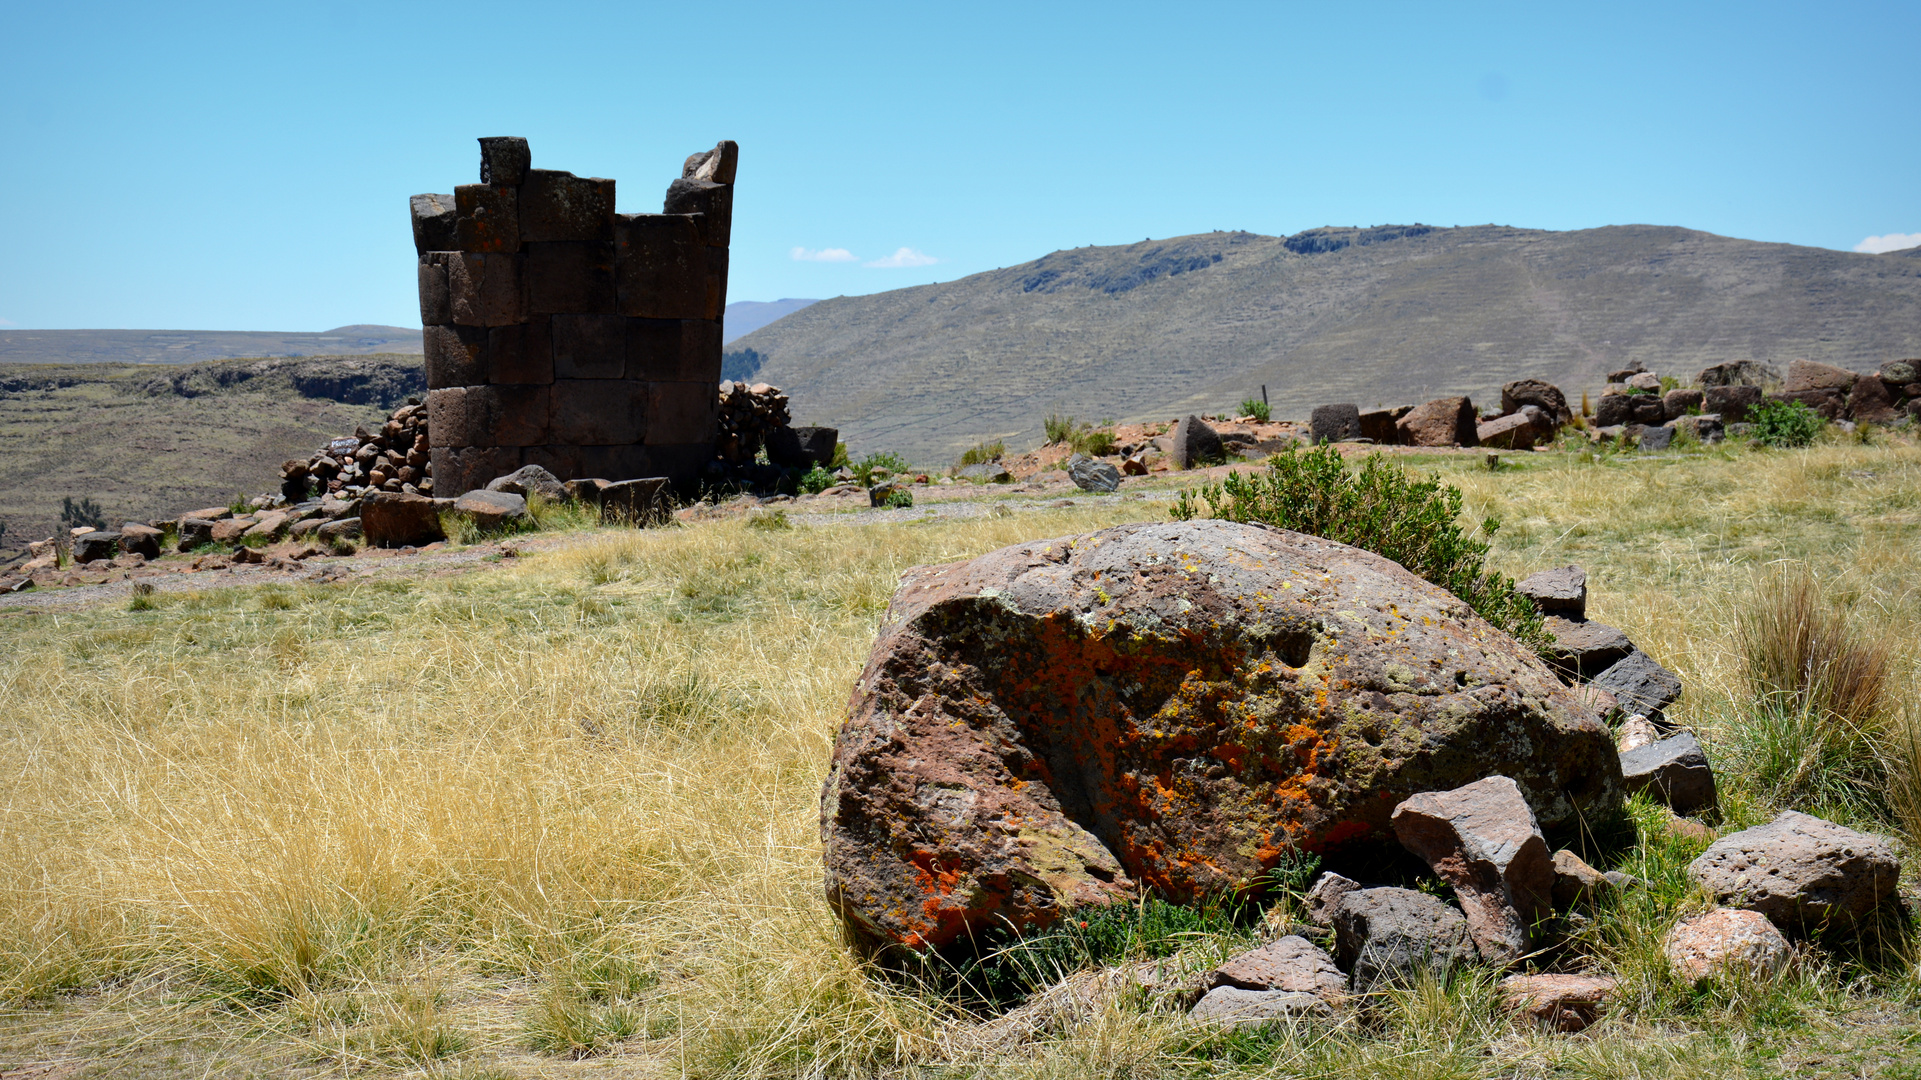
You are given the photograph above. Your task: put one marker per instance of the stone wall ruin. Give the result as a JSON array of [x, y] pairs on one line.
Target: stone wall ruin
[[562, 334]]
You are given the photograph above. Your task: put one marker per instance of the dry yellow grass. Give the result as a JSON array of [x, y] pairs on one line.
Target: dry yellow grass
[[567, 806]]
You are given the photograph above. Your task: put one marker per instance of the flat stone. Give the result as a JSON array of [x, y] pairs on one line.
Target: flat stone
[[1483, 840], [1641, 685], [1800, 871], [1566, 1003], [492, 509], [1584, 649], [1388, 937], [1725, 940], [1292, 964], [1515, 431], [1674, 771], [992, 472], [347, 528], [1234, 1007], [1561, 591]]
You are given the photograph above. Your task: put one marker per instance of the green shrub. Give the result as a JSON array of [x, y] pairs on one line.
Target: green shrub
[[1785, 423], [1060, 427], [841, 457], [1380, 509], [883, 459], [900, 499], [1257, 409], [981, 453], [816, 480], [1092, 441]]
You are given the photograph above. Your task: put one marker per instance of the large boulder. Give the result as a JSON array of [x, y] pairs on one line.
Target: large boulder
[[1482, 839], [1543, 395], [1805, 375], [1194, 443], [1177, 705], [1800, 871], [1443, 422], [1335, 423]]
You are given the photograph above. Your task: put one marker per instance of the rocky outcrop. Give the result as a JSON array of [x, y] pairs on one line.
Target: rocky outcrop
[[1175, 705]]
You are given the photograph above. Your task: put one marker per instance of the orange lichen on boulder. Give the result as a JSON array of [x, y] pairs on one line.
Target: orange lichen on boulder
[[1174, 707]]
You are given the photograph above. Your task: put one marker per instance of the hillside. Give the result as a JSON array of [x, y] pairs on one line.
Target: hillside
[[143, 443], [197, 346], [1374, 316], [746, 316]]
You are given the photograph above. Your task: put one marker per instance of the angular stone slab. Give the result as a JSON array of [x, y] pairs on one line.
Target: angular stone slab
[[1335, 423], [1800, 871], [1483, 840], [1234, 1007], [434, 218], [487, 219], [1584, 649], [1640, 685], [559, 206], [1561, 591], [1325, 897], [1292, 964], [1674, 771], [1566, 1003], [1446, 421], [492, 509], [1193, 443], [504, 160], [1091, 475], [396, 519]]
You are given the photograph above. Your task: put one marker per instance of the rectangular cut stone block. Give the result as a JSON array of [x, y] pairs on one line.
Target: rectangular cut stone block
[[574, 278], [434, 223], [486, 290], [508, 415], [557, 205], [674, 350], [620, 462], [562, 461], [436, 306], [487, 218], [590, 346], [460, 469], [522, 353], [599, 412], [681, 413], [447, 416], [504, 160], [456, 355], [661, 267], [715, 202]]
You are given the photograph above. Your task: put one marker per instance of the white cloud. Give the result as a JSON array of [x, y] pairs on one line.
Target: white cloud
[[7, 322], [802, 254], [1894, 241], [904, 257]]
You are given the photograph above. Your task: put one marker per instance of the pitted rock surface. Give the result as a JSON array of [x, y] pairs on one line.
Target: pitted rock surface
[[1175, 705], [1800, 871]]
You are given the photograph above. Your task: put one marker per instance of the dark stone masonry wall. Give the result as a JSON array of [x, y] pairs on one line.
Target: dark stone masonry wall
[[562, 334]]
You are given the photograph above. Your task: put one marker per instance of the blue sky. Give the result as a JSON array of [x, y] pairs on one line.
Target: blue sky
[[247, 166]]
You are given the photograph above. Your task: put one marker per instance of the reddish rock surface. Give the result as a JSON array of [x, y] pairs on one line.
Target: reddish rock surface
[[1170, 705], [1725, 940], [1562, 1002], [1482, 840]]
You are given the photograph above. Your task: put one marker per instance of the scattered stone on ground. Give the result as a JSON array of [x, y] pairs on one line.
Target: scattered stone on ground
[[492, 510], [988, 472], [1292, 963], [1325, 896], [1725, 940], [1091, 475], [399, 520], [1235, 1007], [1800, 871], [1575, 880], [1482, 839]]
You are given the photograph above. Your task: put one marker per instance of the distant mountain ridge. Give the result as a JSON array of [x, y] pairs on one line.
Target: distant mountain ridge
[[1383, 315], [196, 346], [743, 317]]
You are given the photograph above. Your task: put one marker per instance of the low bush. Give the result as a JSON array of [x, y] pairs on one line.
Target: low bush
[[1381, 509], [883, 459], [1092, 441], [1259, 410], [1785, 424], [981, 453], [1059, 427], [899, 499], [816, 480]]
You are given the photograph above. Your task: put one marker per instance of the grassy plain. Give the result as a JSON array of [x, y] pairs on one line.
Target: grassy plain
[[558, 817]]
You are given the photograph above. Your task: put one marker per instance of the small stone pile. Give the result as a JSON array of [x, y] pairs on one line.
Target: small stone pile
[[1532, 412], [748, 414], [394, 458]]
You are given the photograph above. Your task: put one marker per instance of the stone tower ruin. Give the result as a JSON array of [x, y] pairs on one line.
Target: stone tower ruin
[[562, 334]]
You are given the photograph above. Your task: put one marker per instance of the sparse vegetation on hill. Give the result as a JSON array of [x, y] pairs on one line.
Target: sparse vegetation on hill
[[482, 824]]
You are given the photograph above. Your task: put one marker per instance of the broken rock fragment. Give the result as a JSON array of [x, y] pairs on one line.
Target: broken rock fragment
[[1800, 871], [1388, 937], [1483, 840], [1674, 771]]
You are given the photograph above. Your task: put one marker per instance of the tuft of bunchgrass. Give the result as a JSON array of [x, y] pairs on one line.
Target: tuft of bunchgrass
[[1059, 427], [981, 453]]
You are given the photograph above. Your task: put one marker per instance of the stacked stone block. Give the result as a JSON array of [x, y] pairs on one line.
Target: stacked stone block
[[562, 334]]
